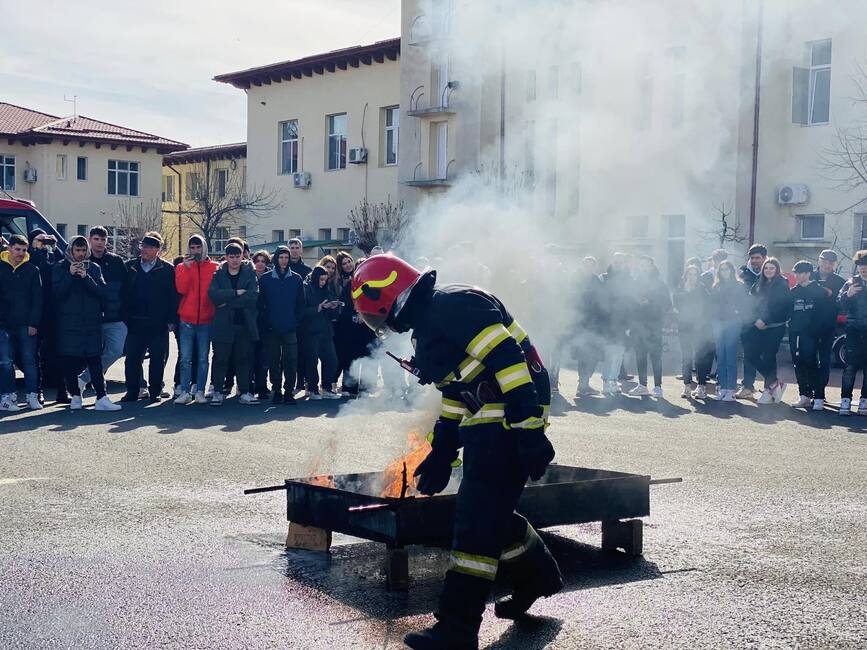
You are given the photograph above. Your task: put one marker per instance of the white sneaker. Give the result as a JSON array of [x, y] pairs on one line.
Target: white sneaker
[[766, 397], [657, 391], [33, 401], [862, 406], [209, 393], [105, 404], [687, 390], [177, 391], [143, 393], [639, 391], [184, 398], [217, 399], [818, 405], [248, 398], [165, 394], [845, 406], [745, 393], [200, 398], [803, 402], [194, 389], [700, 392], [75, 404], [328, 394], [7, 403], [778, 391], [728, 396], [81, 385]]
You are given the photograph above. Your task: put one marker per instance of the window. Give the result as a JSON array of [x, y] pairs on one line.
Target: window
[[242, 232], [440, 131], [343, 234], [7, 173], [638, 227], [289, 147], [277, 235], [122, 178], [325, 234], [337, 141], [863, 220], [392, 131], [194, 186], [221, 237], [168, 188], [811, 86], [812, 226], [295, 233], [60, 166], [61, 229], [81, 229], [678, 98], [119, 239], [531, 85], [81, 168], [222, 182]]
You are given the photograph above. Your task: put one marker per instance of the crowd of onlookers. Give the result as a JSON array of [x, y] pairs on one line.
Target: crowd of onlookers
[[66, 318], [720, 311], [272, 328]]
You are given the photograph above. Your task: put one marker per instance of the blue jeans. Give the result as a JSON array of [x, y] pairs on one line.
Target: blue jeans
[[7, 370], [196, 337], [726, 334], [23, 346], [749, 369], [113, 339]]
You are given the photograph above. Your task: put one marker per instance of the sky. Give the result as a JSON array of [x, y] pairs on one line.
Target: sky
[[149, 65]]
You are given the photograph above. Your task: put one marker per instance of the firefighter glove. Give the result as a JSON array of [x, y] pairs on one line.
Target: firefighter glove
[[435, 471], [536, 452]]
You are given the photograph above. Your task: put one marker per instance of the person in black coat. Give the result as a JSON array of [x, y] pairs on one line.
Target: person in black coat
[[692, 307], [771, 305], [150, 313], [44, 254], [826, 276], [78, 289], [853, 301], [808, 318], [653, 303], [321, 309], [589, 344], [749, 275], [615, 320]]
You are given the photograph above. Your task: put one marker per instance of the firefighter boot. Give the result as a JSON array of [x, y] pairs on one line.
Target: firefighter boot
[[459, 617], [535, 575]]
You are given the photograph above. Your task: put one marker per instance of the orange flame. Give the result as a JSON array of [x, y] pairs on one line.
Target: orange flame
[[393, 474], [324, 480]]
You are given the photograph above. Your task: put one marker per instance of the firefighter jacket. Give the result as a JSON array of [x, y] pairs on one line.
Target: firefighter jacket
[[476, 353]]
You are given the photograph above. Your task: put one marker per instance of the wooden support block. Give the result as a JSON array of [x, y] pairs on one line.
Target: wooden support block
[[628, 535], [397, 569], [308, 538]]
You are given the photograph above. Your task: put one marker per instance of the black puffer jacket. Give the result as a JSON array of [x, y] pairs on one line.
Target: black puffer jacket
[[856, 306], [314, 320], [20, 293], [114, 273], [772, 302], [78, 307], [653, 303]]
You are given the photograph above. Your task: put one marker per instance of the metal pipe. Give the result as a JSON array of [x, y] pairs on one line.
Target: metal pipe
[[756, 112], [180, 244], [665, 481]]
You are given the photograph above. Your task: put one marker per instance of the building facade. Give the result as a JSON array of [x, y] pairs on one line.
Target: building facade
[[634, 129], [81, 172], [323, 133], [204, 191]]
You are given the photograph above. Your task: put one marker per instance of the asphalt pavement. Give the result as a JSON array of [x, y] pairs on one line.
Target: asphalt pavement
[[130, 530]]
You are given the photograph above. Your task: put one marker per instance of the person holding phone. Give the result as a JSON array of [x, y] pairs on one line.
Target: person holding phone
[[321, 309], [853, 301]]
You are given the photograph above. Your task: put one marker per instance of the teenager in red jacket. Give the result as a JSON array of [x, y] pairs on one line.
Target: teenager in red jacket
[[196, 311]]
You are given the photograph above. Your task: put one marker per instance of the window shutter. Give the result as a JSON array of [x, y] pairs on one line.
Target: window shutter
[[800, 95]]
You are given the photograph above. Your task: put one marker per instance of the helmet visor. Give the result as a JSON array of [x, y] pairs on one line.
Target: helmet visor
[[376, 322]]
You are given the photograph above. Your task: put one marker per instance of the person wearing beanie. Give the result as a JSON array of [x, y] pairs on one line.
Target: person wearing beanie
[[234, 291], [193, 277], [281, 302], [853, 301], [79, 291], [826, 276], [150, 311], [297, 265], [809, 315]]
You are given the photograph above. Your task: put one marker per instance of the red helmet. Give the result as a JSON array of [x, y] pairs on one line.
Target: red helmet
[[381, 285]]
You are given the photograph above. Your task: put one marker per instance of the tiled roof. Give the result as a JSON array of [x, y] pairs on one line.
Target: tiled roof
[[214, 152], [318, 63], [33, 126]]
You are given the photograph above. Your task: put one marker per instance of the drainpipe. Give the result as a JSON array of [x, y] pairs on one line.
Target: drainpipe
[[756, 111], [180, 210]]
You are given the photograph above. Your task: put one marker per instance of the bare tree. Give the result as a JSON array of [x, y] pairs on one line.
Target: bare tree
[[378, 224], [129, 224], [217, 198], [724, 231]]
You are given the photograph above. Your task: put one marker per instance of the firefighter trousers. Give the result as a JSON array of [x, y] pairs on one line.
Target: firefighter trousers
[[487, 530]]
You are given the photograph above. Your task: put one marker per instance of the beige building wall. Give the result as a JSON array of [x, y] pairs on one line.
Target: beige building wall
[[362, 93], [79, 204]]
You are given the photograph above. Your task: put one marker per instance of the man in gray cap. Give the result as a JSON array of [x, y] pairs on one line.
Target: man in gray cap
[[826, 277]]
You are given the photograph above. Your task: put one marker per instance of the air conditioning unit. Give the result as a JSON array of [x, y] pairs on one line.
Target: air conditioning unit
[[301, 180], [358, 156], [30, 175], [795, 194]]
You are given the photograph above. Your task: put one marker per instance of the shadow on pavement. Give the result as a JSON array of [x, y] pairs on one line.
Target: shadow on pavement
[[354, 575], [529, 633]]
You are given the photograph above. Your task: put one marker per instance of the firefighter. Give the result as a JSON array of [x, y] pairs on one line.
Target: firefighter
[[495, 400]]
